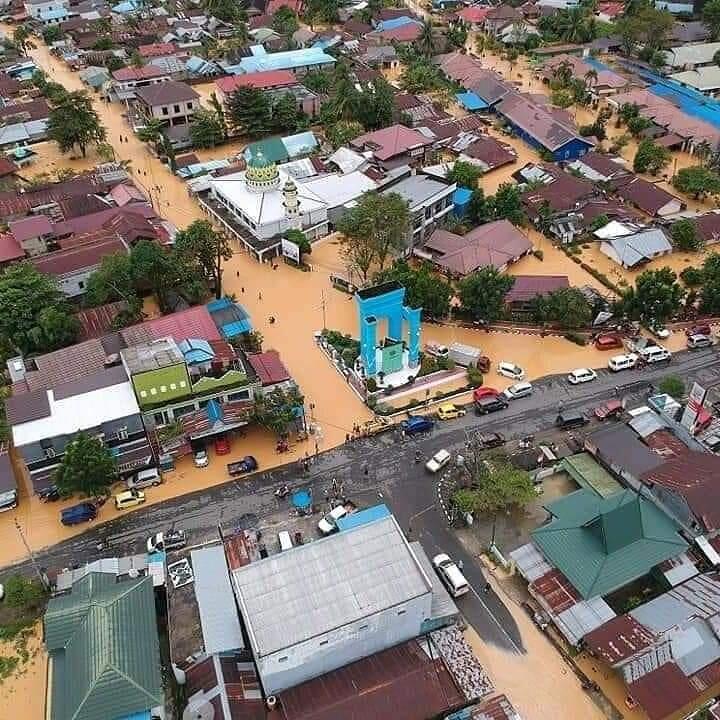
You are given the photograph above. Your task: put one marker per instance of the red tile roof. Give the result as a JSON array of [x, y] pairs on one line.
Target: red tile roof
[[475, 14], [165, 93], [30, 227], [195, 322], [645, 195], [274, 5], [78, 258], [138, 73], [269, 367], [391, 141], [618, 639], [157, 49], [663, 692], [10, 248], [98, 321], [96, 220], [7, 166], [405, 33], [527, 287], [708, 226], [261, 80], [491, 152]]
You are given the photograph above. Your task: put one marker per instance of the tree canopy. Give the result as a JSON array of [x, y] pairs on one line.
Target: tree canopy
[[650, 157], [710, 290], [34, 314], [199, 243], [343, 131], [655, 299], [423, 287], [87, 468], [465, 174], [697, 180], [285, 21], [568, 307], [685, 236], [249, 112], [206, 129], [482, 293], [73, 122], [277, 410], [711, 17]]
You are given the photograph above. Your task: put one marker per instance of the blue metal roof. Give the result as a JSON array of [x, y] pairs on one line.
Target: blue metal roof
[[363, 517], [196, 350], [395, 23], [127, 6], [230, 318], [214, 411], [53, 14], [471, 101]]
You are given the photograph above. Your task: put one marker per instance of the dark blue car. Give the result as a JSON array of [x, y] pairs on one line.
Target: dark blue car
[[416, 424], [78, 513]]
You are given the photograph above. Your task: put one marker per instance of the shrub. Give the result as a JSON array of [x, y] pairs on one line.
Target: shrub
[[673, 386], [445, 363], [576, 338], [22, 592], [371, 384], [348, 356], [474, 376], [692, 277], [371, 402]]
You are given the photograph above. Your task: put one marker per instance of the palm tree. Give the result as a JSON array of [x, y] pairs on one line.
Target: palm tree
[[152, 132], [237, 42], [591, 77], [563, 73], [21, 38], [572, 24], [220, 113], [426, 41]]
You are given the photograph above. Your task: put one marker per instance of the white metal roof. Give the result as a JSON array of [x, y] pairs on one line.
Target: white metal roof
[[218, 614], [336, 190], [314, 589], [79, 412]]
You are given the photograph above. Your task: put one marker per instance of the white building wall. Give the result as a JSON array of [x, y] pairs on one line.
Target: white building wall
[[317, 656]]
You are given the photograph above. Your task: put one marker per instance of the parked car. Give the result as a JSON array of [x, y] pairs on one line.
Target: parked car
[[608, 341], [609, 409], [490, 404], [417, 424], [655, 354], [518, 390], [451, 575], [492, 440], [168, 540], [245, 465], [448, 411], [511, 370], [201, 458], [483, 392], [581, 375], [144, 478], [76, 514], [129, 498], [222, 446], [438, 461], [660, 332], [375, 426], [49, 493], [695, 342], [622, 362], [329, 523], [701, 329], [567, 420]]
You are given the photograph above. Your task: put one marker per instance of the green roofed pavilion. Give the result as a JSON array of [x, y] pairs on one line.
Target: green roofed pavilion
[[602, 544], [104, 650]]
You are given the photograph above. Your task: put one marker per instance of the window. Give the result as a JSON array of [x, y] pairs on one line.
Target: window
[[164, 110], [363, 627], [189, 106], [282, 659], [323, 642], [242, 395], [122, 433], [81, 285], [49, 452], [402, 612], [176, 108]]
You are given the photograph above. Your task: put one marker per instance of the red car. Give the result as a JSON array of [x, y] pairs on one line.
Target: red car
[[222, 446], [610, 409], [484, 392], [703, 329], [608, 341]]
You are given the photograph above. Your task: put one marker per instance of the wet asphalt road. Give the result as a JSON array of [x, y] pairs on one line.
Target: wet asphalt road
[[392, 477]]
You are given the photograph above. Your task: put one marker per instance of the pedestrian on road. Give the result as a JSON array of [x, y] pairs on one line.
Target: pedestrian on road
[[237, 274], [260, 296], [242, 289], [486, 589], [271, 319]]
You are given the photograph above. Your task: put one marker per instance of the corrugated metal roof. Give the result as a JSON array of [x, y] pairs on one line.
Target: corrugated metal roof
[[316, 588], [588, 473], [218, 613]]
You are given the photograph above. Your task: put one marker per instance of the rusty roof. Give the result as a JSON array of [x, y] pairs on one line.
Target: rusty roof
[[645, 195], [618, 639], [269, 367], [556, 590], [81, 257], [401, 683], [663, 691]]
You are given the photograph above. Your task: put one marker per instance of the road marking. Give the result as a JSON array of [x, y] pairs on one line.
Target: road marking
[[496, 621]]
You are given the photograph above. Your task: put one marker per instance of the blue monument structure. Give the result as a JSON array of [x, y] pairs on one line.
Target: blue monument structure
[[392, 354]]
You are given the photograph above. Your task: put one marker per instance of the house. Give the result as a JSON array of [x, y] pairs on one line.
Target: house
[[127, 79], [429, 201], [10, 249], [536, 125], [599, 167], [647, 196], [705, 79], [474, 16], [500, 17], [174, 103], [393, 146], [689, 31], [488, 153], [526, 288], [32, 233], [381, 57], [48, 12], [665, 650], [632, 251], [516, 33], [119, 676], [497, 244], [390, 32], [689, 57], [603, 544], [600, 83], [708, 227], [297, 61], [560, 192]]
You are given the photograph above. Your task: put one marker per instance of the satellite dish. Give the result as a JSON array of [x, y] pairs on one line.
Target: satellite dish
[[201, 709]]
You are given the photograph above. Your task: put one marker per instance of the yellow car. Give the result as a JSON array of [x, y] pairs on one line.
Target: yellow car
[[129, 498], [448, 411]]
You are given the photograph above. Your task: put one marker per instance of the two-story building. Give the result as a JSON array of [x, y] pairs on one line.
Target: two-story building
[[47, 12], [173, 103], [126, 80]]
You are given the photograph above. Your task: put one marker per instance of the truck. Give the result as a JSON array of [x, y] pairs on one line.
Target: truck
[[465, 355]]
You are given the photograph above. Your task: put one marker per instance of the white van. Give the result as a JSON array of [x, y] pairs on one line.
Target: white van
[[654, 354], [144, 478], [284, 540], [622, 362], [450, 574]]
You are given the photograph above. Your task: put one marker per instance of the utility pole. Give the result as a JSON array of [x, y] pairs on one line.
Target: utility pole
[[323, 306], [33, 562]]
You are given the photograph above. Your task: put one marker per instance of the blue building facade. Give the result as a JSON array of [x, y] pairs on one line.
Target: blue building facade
[[571, 150]]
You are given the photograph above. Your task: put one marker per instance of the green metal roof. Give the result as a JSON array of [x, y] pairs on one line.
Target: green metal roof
[[103, 645], [588, 473], [271, 150], [602, 544]]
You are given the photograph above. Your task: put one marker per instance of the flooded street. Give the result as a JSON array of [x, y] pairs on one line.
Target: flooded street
[[23, 694]]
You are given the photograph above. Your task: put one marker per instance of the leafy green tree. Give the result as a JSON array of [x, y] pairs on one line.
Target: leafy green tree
[[650, 157], [420, 77], [285, 115], [325, 11], [87, 468], [319, 81], [342, 132], [562, 97], [22, 592], [26, 323], [249, 112], [22, 39], [112, 281], [423, 287], [300, 239], [465, 174], [277, 410], [285, 21], [51, 34], [628, 111], [673, 386], [710, 291], [233, 46], [375, 104], [568, 307], [374, 229], [480, 208], [483, 293], [74, 122], [711, 18], [225, 10], [685, 236], [201, 243], [697, 180], [206, 130], [637, 124], [655, 299], [219, 111], [507, 204], [456, 36], [629, 31], [426, 41], [152, 132]]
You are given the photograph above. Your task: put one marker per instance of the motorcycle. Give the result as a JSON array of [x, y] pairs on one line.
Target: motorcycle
[[282, 492]]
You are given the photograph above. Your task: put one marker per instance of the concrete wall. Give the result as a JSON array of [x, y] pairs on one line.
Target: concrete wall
[[315, 657], [174, 110]]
